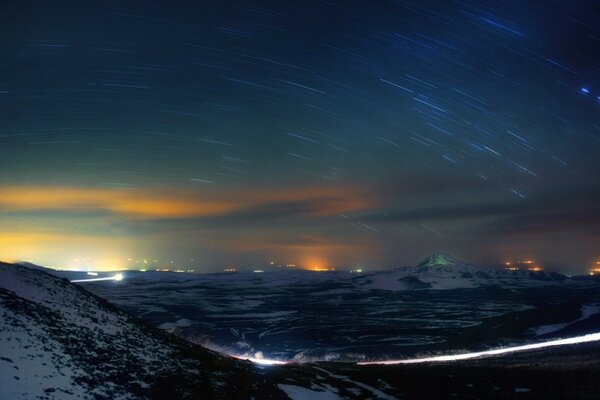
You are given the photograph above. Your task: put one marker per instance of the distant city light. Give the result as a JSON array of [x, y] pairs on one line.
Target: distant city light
[[528, 265], [321, 269]]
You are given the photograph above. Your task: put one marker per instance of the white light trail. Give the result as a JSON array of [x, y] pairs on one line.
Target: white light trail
[[592, 337], [261, 361], [117, 277]]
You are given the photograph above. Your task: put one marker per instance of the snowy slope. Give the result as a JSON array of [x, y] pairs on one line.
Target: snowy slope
[[440, 271], [57, 341]]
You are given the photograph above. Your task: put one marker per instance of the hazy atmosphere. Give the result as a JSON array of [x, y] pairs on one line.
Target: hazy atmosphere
[[316, 133]]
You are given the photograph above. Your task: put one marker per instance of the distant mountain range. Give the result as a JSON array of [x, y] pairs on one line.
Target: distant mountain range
[[440, 271]]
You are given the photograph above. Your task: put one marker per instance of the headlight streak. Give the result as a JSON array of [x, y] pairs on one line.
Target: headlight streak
[[592, 337], [117, 277], [261, 361]]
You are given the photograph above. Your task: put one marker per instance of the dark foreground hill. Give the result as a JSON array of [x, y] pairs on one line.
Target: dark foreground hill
[[59, 341]]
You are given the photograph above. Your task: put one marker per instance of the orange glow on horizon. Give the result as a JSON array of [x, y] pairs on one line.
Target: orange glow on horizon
[[317, 263], [105, 227], [321, 269], [63, 251]]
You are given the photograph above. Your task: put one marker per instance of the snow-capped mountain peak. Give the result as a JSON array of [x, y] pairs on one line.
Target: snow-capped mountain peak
[[438, 259], [442, 271]]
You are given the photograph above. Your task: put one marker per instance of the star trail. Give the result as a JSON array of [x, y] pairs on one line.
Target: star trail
[[359, 133]]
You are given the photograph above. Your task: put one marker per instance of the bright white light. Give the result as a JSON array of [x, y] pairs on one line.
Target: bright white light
[[592, 337], [117, 277], [261, 361], [93, 273]]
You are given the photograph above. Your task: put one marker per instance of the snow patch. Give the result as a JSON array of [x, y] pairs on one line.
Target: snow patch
[[180, 323], [301, 393]]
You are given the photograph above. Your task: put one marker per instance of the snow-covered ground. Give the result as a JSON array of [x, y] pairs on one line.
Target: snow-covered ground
[[587, 310], [302, 393], [443, 272], [304, 315], [58, 341]]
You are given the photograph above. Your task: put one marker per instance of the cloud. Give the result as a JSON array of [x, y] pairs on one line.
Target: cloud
[[547, 221], [169, 203], [410, 184], [141, 203], [564, 209]]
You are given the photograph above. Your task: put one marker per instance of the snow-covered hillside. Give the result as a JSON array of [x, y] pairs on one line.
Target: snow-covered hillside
[[57, 341], [441, 271]]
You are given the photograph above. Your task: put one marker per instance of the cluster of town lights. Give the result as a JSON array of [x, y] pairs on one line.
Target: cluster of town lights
[[595, 270], [528, 265]]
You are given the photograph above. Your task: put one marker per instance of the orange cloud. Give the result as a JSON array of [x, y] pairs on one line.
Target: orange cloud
[[143, 202], [177, 203], [106, 242]]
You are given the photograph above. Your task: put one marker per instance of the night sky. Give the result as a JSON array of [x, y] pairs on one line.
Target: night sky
[[320, 133]]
